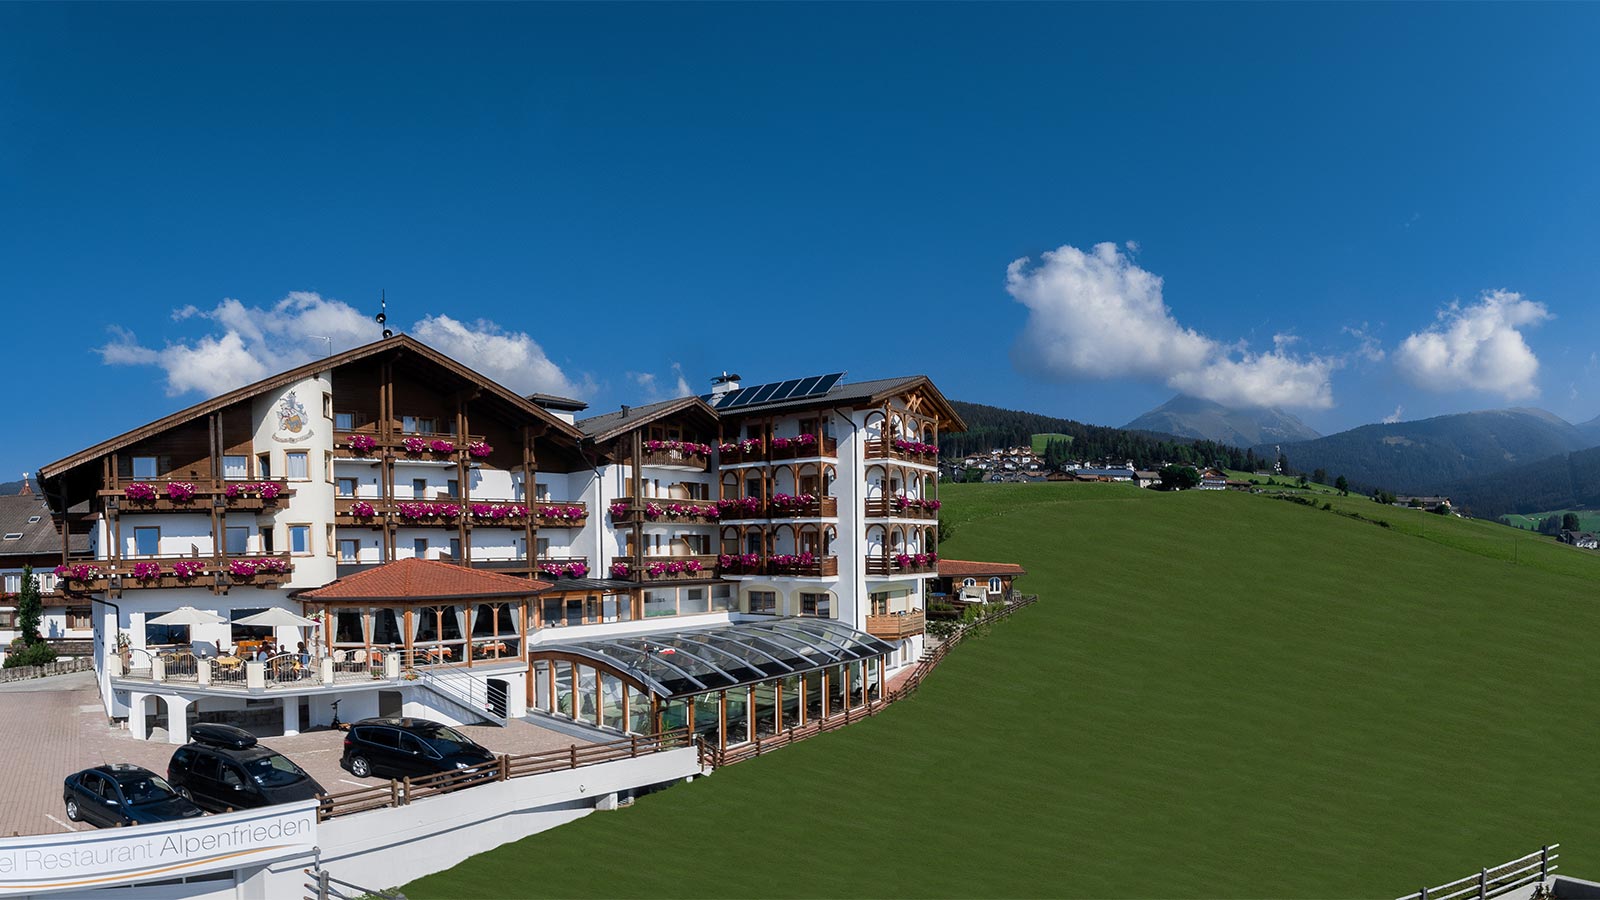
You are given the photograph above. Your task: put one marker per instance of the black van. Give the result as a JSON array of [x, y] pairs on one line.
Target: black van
[[401, 747], [224, 768]]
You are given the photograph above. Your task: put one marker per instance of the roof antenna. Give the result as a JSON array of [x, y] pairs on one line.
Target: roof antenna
[[327, 344], [383, 313]]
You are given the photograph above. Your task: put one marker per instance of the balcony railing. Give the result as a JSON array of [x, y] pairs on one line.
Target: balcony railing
[[673, 457], [417, 447], [784, 507], [901, 449], [902, 508], [895, 626], [754, 450], [821, 567], [656, 569], [664, 510], [450, 512], [131, 495], [902, 564], [266, 570]]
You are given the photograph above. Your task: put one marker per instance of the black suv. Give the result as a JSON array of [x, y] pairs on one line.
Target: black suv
[[223, 768], [120, 794], [402, 747]]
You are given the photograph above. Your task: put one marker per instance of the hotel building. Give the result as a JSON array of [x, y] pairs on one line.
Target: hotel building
[[735, 563]]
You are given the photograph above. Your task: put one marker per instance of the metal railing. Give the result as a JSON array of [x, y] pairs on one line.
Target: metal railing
[[466, 692], [409, 790], [1496, 880]]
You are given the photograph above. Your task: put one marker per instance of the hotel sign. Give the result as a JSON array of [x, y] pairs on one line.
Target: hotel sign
[[119, 856]]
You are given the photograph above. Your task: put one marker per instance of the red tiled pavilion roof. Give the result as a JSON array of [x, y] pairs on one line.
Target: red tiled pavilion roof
[[424, 579], [962, 568]]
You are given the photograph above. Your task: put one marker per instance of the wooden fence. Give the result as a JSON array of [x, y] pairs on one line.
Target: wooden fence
[[406, 790], [1496, 880], [712, 756]]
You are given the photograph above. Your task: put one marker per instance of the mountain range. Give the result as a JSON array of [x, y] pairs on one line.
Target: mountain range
[[1191, 417]]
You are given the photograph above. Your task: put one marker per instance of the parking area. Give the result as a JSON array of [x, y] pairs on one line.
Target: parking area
[[56, 726]]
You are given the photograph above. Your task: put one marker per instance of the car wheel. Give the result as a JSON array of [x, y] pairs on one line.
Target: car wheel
[[184, 793], [72, 811], [359, 767]]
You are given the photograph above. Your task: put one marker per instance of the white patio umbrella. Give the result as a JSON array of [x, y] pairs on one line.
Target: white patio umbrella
[[187, 615], [276, 617]]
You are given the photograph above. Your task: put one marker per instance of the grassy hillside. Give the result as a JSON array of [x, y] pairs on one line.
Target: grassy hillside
[[1588, 519], [1039, 441], [1172, 719]]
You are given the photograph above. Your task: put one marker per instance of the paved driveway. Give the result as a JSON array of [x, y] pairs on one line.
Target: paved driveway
[[56, 726]]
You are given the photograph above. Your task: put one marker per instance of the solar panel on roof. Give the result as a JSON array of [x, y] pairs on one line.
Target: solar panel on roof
[[765, 392], [807, 385], [774, 392], [789, 389], [828, 381]]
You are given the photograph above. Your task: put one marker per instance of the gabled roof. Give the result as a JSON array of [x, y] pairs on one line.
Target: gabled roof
[[423, 579], [606, 426], [39, 537], [551, 401], [963, 568], [400, 342]]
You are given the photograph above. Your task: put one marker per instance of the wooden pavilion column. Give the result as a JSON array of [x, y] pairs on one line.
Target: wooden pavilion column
[[529, 530], [636, 488], [463, 490]]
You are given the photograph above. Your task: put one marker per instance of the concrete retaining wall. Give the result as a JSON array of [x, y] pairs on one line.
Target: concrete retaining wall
[[59, 667]]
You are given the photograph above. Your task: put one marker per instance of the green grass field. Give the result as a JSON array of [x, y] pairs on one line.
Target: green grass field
[[1039, 441], [1588, 519], [1401, 706]]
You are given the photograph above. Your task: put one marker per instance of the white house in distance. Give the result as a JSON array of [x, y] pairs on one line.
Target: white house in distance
[[734, 563], [28, 538]]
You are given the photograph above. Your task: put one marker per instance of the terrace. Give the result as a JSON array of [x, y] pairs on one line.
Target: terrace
[[904, 451], [663, 509], [263, 570], [450, 512], [417, 447], [143, 495]]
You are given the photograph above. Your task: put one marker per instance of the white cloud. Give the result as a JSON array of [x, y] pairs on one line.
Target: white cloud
[[1477, 347], [1395, 416], [651, 388], [1096, 315], [1369, 349], [252, 342]]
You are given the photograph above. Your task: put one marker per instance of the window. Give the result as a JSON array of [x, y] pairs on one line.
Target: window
[[300, 539], [419, 548], [879, 602], [343, 421], [264, 465], [144, 467], [697, 491], [164, 634], [764, 602], [994, 585], [699, 544], [542, 546], [330, 542], [819, 605], [327, 405], [347, 487], [235, 468], [452, 488], [238, 540], [146, 541], [13, 536], [694, 601], [296, 465], [8, 618], [969, 582], [418, 425], [541, 491], [455, 548], [349, 551], [13, 583], [660, 603], [34, 520], [247, 632], [78, 620], [419, 488]]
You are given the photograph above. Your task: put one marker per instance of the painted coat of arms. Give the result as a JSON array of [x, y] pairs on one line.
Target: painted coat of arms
[[294, 425]]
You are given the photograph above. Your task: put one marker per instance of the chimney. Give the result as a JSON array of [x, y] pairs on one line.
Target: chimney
[[27, 486], [723, 384]]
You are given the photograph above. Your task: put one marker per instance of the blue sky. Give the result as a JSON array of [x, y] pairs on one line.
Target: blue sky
[[1357, 211]]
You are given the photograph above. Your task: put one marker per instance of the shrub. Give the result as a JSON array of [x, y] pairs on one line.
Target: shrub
[[29, 655]]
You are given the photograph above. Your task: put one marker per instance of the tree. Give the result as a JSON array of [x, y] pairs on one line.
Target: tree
[[1384, 497], [1342, 485], [1178, 478], [1320, 476], [30, 611], [1303, 481], [1550, 525], [1569, 522]]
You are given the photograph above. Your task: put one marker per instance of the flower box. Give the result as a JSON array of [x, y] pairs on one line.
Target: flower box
[[362, 443], [479, 449], [139, 492], [564, 570]]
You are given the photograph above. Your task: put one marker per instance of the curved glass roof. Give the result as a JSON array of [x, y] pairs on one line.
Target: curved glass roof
[[680, 663]]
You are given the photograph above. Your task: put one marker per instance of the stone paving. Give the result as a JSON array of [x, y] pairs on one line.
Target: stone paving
[[52, 727]]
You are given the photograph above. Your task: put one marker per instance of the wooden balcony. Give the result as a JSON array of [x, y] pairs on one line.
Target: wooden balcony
[[884, 448], [667, 569], [821, 567], [672, 458], [559, 513], [897, 626], [818, 508], [901, 508], [451, 512], [419, 447], [264, 570], [795, 448], [878, 565], [194, 496], [666, 510], [747, 451]]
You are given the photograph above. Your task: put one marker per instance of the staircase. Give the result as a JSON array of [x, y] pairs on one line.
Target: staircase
[[468, 693]]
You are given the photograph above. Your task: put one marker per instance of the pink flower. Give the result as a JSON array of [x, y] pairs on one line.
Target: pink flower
[[619, 570], [363, 443], [187, 569], [181, 490], [144, 571], [415, 444], [479, 449], [618, 510], [139, 491], [439, 445], [361, 509]]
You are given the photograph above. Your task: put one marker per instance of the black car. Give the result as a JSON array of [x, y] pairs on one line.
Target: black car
[[120, 794], [224, 768], [402, 747]]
